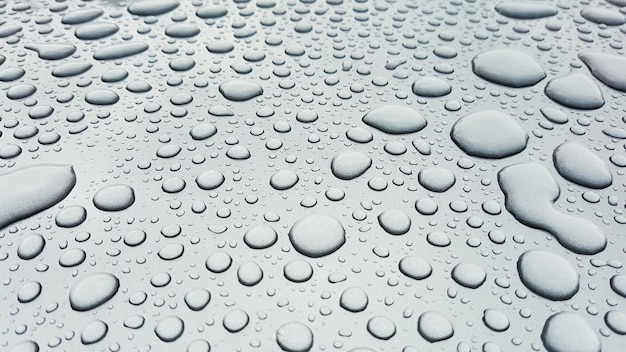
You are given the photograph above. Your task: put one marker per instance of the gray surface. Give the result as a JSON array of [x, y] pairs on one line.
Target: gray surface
[[393, 41]]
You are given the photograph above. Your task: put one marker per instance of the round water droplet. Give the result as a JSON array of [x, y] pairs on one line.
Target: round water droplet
[[94, 332], [169, 329], [415, 267], [350, 165], [114, 197], [394, 222], [353, 299], [317, 235], [260, 237], [489, 134], [235, 320], [434, 327], [294, 337], [548, 275], [469, 275]]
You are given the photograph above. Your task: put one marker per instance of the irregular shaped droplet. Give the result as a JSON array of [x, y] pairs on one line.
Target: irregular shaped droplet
[[353, 299], [152, 7], [495, 66], [381, 327], [548, 275], [495, 320], [169, 329], [95, 31], [121, 50], [21, 91], [101, 97], [576, 91], [114, 197], [182, 30], [530, 192], [72, 68], [93, 291], [220, 111], [431, 87], [7, 30], [82, 16], [31, 246], [395, 119], [10, 74], [436, 179], [283, 180], [260, 237], [489, 134], [526, 10], [554, 115], [317, 235], [579, 165], [567, 331], [294, 337], [434, 327], [94, 332], [350, 165], [32, 189], [240, 90], [469, 275], [609, 69], [52, 51], [211, 11], [395, 222], [603, 15], [415, 267]]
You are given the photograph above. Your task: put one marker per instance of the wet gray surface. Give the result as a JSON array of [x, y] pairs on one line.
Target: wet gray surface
[[312, 176]]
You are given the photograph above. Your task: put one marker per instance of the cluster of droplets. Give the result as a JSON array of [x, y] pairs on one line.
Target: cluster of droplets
[[312, 175]]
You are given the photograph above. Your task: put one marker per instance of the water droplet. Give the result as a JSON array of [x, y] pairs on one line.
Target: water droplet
[[317, 235], [93, 291]]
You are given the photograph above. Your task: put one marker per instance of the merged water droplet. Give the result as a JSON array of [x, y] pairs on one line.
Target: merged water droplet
[[32, 189], [530, 192]]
